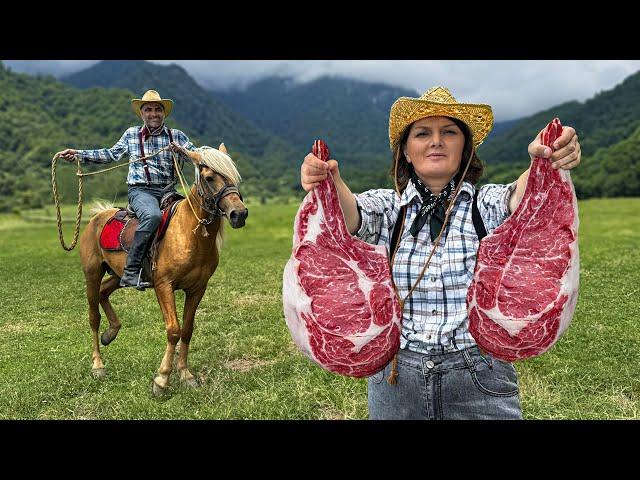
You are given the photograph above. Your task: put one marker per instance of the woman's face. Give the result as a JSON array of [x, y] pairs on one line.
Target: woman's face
[[434, 148]]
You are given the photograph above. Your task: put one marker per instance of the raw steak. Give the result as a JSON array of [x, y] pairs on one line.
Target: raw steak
[[339, 301], [525, 285]]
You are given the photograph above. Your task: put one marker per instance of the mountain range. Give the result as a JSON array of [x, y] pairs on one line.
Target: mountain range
[[269, 126]]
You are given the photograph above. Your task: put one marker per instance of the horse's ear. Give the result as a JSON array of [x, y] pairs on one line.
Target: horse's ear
[[222, 148]]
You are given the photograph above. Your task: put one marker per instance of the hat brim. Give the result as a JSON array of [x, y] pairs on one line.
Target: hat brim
[[136, 105], [406, 110]]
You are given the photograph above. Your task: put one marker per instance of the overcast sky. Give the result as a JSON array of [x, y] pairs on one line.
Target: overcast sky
[[514, 88]]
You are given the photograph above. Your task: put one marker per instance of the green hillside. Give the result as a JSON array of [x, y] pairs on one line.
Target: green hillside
[[40, 115]]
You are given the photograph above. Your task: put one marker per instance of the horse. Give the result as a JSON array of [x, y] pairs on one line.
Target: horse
[[185, 260]]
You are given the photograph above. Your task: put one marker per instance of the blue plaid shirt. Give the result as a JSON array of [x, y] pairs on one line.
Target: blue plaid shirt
[[434, 319], [160, 165]]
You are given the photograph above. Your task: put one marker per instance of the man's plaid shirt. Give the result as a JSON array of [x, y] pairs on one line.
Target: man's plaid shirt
[[435, 318], [160, 166]]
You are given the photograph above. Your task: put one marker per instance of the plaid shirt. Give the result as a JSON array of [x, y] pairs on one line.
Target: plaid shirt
[[435, 318], [160, 166]]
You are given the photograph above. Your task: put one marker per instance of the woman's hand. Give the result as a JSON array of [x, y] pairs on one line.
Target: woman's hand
[[314, 170], [566, 149]]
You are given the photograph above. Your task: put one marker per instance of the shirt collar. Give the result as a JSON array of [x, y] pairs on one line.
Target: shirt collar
[[411, 192], [145, 131]]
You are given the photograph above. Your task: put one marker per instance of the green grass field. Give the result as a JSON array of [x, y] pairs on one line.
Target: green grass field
[[241, 350]]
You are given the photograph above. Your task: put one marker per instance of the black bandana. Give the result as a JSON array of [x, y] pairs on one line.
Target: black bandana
[[431, 205]]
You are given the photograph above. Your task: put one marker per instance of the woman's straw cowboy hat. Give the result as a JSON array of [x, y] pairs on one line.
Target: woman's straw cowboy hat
[[151, 96], [438, 102]]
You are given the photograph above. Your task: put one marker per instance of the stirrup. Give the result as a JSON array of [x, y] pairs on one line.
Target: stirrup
[[139, 285]]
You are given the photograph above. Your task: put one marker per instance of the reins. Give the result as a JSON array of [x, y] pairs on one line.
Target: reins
[[217, 212], [227, 190]]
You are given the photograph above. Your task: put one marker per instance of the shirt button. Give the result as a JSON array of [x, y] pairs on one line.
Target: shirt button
[[430, 364], [434, 311], [433, 279]]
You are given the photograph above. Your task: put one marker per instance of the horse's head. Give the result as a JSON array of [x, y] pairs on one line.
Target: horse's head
[[217, 182]]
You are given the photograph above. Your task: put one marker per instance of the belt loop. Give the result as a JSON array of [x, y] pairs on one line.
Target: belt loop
[[467, 358]]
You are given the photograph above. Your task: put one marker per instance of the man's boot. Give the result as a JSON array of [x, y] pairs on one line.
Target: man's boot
[[132, 276]]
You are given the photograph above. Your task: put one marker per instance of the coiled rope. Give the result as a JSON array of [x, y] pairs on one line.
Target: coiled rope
[[80, 174]]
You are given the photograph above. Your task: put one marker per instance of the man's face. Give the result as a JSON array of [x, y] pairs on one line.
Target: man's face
[[153, 114]]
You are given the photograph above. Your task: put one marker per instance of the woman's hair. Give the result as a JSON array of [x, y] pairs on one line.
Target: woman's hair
[[405, 168]]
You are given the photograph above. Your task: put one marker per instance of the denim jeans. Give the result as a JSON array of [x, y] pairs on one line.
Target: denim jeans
[[145, 202], [453, 386]]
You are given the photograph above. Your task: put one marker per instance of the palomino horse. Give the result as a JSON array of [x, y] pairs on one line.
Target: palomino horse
[[185, 261]]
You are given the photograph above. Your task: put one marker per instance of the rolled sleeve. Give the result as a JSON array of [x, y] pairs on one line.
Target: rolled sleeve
[[375, 207], [493, 204]]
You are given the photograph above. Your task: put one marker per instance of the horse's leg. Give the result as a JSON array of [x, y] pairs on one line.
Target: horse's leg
[[191, 302], [167, 300], [93, 278], [107, 288]]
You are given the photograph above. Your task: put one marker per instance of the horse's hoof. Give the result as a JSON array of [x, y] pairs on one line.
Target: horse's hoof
[[108, 336], [158, 391], [98, 373]]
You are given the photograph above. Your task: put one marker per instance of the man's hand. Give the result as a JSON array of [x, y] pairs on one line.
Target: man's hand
[[68, 154], [177, 148]]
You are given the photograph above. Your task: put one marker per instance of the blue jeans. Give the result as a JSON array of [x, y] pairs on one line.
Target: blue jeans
[[453, 386], [145, 202]]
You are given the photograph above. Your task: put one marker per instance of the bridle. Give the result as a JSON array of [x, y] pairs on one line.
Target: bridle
[[210, 199]]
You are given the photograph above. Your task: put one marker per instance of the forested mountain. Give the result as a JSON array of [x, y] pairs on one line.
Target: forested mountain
[[40, 116], [270, 126], [197, 110], [352, 116]]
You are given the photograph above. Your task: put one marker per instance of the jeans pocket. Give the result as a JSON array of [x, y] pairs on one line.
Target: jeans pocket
[[496, 378], [377, 377]]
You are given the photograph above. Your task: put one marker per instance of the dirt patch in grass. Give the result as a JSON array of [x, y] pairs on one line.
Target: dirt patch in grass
[[12, 328], [328, 412], [252, 299], [246, 364]]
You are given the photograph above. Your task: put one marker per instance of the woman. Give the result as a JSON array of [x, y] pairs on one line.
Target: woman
[[441, 373]]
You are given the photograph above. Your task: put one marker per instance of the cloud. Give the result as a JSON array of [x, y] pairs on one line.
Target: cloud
[[514, 88]]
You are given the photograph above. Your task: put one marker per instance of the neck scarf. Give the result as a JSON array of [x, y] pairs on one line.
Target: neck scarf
[[146, 133], [431, 205]]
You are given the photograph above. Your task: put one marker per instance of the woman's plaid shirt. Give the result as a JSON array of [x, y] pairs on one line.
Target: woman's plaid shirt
[[435, 315], [160, 165]]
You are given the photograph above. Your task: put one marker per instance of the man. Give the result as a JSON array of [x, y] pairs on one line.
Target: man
[[148, 180]]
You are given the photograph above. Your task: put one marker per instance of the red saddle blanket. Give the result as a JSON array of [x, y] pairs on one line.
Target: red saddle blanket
[[118, 232]]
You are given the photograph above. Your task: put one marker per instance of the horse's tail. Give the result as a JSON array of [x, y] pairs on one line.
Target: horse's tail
[[101, 206]]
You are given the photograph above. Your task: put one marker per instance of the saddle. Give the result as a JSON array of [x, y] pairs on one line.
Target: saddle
[[117, 234]]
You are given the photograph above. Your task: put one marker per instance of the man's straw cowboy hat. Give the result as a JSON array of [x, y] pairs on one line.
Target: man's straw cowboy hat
[[151, 96], [438, 102]]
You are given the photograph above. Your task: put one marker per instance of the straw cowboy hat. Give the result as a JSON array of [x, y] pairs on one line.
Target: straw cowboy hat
[[438, 102], [151, 96]]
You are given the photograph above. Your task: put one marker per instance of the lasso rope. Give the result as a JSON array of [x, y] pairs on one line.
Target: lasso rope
[[80, 174]]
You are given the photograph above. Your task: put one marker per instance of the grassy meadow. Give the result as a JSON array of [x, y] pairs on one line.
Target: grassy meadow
[[241, 351]]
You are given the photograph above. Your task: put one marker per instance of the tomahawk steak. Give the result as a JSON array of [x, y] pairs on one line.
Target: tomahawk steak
[[525, 285], [339, 301]]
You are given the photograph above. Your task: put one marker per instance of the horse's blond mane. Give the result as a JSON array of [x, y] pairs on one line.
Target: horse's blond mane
[[220, 162]]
